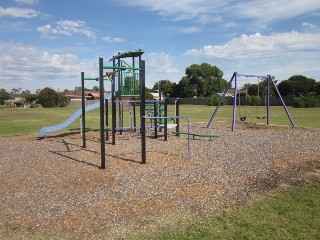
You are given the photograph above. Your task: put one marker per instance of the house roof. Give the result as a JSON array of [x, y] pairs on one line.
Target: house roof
[[94, 94]]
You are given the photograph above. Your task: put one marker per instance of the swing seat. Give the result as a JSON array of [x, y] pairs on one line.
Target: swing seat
[[243, 118], [261, 117]]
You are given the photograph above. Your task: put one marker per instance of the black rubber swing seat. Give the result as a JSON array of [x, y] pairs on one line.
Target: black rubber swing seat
[[243, 118]]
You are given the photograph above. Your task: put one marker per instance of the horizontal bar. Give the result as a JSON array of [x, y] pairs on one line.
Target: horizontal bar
[[122, 68], [95, 79], [248, 75]]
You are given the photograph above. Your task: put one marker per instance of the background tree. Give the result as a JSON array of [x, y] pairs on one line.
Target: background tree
[[95, 88], [48, 98], [183, 89], [297, 85], [26, 92], [4, 95], [165, 86], [205, 79], [78, 88]]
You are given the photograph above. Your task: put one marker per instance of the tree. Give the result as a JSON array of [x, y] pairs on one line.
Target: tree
[[203, 80], [183, 89], [4, 95], [165, 86], [30, 97], [95, 88], [297, 85], [48, 98], [77, 88], [26, 92]]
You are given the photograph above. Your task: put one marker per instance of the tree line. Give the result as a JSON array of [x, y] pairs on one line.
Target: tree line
[[200, 80]]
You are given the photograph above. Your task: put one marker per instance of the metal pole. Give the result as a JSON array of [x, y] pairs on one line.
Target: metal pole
[[165, 120], [221, 99], [119, 95], [177, 113], [155, 114], [134, 117], [102, 137], [177, 117], [283, 103], [113, 107], [234, 104], [143, 112], [83, 106], [107, 119], [268, 101]]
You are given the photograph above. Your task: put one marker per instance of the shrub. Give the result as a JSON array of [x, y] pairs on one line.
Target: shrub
[[253, 100], [309, 101], [215, 99]]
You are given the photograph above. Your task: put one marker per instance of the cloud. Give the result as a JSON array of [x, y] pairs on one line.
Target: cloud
[[109, 39], [266, 11], [67, 28], [160, 63], [31, 68], [27, 1], [281, 54], [257, 45], [208, 11], [19, 12]]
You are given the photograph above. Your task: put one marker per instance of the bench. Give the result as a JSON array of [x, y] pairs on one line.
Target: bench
[[196, 135]]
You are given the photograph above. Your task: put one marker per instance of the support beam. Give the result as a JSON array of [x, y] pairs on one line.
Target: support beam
[[102, 137]]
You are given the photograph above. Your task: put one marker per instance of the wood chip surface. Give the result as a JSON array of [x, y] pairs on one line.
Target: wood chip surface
[[54, 187]]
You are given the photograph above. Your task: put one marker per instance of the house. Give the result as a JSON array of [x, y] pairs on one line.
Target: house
[[156, 95], [230, 92]]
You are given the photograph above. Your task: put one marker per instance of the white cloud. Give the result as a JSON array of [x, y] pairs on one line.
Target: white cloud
[[19, 12], [109, 39], [67, 28], [160, 63], [27, 1], [259, 45], [282, 54], [207, 11], [31, 68], [266, 11]]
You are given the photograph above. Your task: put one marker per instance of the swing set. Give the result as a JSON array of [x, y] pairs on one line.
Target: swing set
[[243, 117]]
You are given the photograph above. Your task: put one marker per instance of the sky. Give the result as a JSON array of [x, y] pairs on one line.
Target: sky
[[46, 43]]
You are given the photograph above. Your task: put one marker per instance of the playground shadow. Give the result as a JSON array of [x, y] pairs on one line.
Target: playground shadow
[[74, 159], [68, 150]]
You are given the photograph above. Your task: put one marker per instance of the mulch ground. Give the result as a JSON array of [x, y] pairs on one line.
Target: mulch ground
[[55, 188]]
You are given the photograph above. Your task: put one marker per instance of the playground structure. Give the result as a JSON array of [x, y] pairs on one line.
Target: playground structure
[[234, 78], [127, 87]]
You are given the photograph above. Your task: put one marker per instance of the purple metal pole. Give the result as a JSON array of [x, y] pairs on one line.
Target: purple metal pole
[[234, 104], [268, 100], [221, 99], [177, 117], [283, 103]]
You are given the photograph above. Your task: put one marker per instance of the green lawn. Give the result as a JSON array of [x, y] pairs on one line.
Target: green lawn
[[17, 121], [290, 213]]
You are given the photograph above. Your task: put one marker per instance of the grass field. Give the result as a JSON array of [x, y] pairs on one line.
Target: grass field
[[17, 121], [287, 213]]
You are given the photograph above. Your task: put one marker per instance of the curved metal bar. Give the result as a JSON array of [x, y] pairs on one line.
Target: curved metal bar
[[189, 148]]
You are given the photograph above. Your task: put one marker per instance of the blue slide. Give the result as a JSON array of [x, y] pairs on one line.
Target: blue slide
[[45, 130]]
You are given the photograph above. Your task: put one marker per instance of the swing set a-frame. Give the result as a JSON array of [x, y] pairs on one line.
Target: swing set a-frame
[[269, 80]]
